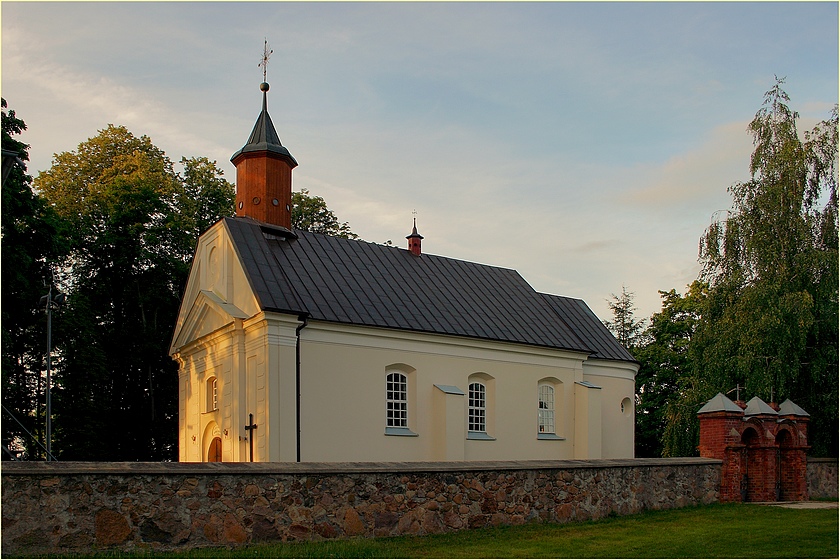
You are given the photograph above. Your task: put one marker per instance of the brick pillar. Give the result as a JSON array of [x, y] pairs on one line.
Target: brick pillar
[[792, 438], [720, 438]]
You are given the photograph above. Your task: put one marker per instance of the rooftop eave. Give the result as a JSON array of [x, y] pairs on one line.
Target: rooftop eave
[[270, 150]]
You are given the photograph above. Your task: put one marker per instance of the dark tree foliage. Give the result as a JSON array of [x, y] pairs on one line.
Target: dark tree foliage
[[664, 360], [310, 213], [31, 241], [133, 227]]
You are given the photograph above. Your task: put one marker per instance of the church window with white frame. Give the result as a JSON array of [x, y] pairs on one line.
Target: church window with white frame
[[212, 395], [545, 412], [396, 400], [477, 418]]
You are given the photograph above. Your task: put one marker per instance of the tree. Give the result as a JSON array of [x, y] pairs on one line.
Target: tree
[[32, 241], [771, 319], [626, 328], [664, 360], [133, 227], [203, 198], [310, 213]]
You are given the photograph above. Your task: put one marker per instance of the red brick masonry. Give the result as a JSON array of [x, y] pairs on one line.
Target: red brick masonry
[[764, 455]]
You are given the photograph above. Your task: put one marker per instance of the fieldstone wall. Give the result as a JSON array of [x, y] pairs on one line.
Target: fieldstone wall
[[822, 478], [73, 507]]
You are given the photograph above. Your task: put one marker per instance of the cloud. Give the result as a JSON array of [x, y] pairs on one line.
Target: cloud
[[697, 175]]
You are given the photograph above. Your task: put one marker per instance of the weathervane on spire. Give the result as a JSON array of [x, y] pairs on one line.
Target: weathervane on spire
[[267, 52]]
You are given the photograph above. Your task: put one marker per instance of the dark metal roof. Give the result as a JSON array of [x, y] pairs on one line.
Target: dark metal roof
[[588, 327], [359, 283], [264, 137]]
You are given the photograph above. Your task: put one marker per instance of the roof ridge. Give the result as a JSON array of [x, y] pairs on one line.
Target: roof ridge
[[394, 247]]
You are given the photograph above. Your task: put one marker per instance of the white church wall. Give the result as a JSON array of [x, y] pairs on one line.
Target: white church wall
[[212, 357], [343, 396], [617, 382]]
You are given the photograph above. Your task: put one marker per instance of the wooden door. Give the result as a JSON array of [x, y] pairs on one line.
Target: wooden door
[[214, 455]]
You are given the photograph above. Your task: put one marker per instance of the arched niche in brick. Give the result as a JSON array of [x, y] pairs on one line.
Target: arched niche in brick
[[763, 448]]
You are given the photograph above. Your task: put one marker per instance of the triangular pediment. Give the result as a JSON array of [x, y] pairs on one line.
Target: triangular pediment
[[207, 314], [217, 290]]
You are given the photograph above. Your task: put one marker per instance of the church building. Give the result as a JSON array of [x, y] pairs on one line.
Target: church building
[[297, 346]]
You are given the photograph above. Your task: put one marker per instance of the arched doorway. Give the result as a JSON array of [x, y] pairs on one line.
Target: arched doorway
[[212, 443], [214, 453], [751, 478], [785, 472]]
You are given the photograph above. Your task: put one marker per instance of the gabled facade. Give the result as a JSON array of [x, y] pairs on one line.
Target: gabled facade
[[295, 346]]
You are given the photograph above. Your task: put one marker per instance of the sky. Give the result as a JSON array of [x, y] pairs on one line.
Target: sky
[[586, 145]]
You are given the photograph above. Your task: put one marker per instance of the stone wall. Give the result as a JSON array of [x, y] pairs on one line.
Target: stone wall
[[822, 478], [75, 506]]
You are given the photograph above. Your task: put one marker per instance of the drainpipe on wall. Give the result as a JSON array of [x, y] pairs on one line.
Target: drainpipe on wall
[[299, 328]]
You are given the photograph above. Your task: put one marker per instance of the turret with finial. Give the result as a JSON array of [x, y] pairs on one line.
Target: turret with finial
[[414, 239], [264, 168]]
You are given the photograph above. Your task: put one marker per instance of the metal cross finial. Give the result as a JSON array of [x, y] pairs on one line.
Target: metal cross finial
[[267, 52]]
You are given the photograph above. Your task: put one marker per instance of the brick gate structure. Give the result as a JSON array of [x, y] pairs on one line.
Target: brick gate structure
[[762, 447]]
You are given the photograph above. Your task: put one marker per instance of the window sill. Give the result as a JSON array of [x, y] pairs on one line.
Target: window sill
[[480, 436], [391, 431], [550, 437]]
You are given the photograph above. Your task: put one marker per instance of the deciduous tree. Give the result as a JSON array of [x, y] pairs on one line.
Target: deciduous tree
[[134, 223], [771, 319], [310, 213], [665, 360]]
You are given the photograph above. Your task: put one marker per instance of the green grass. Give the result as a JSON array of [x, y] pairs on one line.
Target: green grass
[[716, 531]]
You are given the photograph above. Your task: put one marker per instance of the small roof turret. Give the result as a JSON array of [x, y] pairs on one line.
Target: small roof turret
[[790, 408], [756, 406], [720, 403], [414, 241]]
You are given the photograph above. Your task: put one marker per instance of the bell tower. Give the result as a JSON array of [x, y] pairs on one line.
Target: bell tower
[[264, 170]]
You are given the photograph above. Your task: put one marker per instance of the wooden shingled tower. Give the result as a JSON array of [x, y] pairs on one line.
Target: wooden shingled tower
[[264, 170]]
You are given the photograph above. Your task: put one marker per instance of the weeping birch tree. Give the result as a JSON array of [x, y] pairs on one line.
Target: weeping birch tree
[[770, 321]]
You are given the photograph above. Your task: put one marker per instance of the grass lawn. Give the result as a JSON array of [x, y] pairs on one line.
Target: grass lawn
[[716, 531]]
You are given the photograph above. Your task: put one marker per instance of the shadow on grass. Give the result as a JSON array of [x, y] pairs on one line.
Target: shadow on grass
[[715, 531]]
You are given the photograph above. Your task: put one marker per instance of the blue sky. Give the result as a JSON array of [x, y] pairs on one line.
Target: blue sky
[[586, 145]]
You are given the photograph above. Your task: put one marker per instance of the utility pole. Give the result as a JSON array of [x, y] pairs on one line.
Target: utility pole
[[49, 302]]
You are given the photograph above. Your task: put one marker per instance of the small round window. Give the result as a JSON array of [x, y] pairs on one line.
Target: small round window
[[256, 200]]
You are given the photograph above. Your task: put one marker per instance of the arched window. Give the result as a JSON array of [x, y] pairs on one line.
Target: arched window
[[212, 395], [481, 402], [396, 400], [477, 408], [545, 411]]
